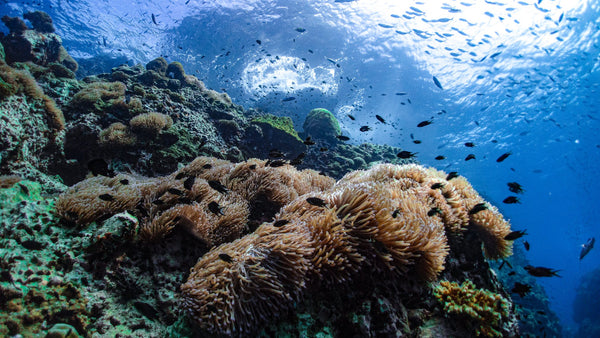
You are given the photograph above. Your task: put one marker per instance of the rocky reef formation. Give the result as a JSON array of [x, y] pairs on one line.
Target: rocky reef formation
[[587, 305]]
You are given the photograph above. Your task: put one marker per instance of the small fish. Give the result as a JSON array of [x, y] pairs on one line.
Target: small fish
[[440, 157], [451, 175], [179, 176], [215, 208], [511, 200], [316, 202], [587, 247], [512, 273], [540, 271], [469, 144], [526, 244], [259, 42], [124, 181], [106, 197], [365, 128], [252, 166], [521, 289], [288, 99], [99, 166], [218, 186], [380, 118], [154, 19], [276, 163], [323, 149], [503, 157], [515, 187], [437, 83], [395, 213], [477, 208], [437, 185], [280, 223], [276, 153], [189, 182], [342, 137], [351, 117], [225, 258], [515, 234], [434, 211], [417, 141], [424, 123], [470, 157], [175, 191], [300, 30], [207, 166], [405, 154], [309, 141]]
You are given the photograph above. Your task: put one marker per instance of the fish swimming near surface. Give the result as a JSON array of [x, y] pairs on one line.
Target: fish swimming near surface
[[470, 157], [587, 247], [380, 118], [503, 157], [469, 144], [440, 157], [351, 117], [424, 123], [540, 271], [365, 128], [154, 19], [437, 83], [288, 99]]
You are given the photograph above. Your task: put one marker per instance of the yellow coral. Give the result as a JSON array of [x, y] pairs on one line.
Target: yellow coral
[[486, 308]]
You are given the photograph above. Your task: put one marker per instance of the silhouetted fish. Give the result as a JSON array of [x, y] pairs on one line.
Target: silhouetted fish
[[477, 208], [540, 271], [99, 166], [424, 123], [440, 157], [106, 197], [225, 258], [437, 83], [526, 244], [288, 99], [511, 200], [470, 157], [405, 154], [365, 128], [587, 247], [437, 185], [503, 157], [451, 175], [351, 117], [215, 208], [218, 186], [189, 182], [469, 144], [316, 202], [342, 137], [380, 118], [515, 187], [515, 234]]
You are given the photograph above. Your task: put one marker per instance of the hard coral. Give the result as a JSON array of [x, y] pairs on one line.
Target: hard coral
[[485, 308], [377, 221], [151, 123]]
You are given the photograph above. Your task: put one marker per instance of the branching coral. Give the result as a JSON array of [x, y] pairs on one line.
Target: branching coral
[[375, 221], [485, 308]]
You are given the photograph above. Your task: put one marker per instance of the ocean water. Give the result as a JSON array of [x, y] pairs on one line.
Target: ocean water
[[518, 77]]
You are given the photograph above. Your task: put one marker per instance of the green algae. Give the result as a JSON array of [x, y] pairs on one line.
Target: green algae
[[284, 124], [322, 124]]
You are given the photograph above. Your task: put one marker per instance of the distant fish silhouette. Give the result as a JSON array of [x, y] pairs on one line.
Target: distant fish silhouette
[[587, 247], [437, 83]]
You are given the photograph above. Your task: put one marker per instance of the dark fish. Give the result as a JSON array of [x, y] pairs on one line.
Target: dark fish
[[477, 208], [526, 244], [276, 153], [124, 181], [451, 175], [503, 157], [405, 154], [288, 99], [323, 149], [495, 54], [395, 213], [587, 247], [276, 163], [515, 187], [154, 19], [424, 123], [434, 211], [179, 176], [298, 159], [469, 144], [470, 157], [258, 41], [365, 128], [99, 166], [225, 258], [106, 197], [300, 30], [175, 191], [511, 200], [342, 137], [189, 182], [380, 118], [512, 273], [437, 185], [539, 271], [437, 83], [521, 289], [351, 117], [316, 202], [280, 223], [515, 234], [207, 166], [252, 166], [417, 141], [309, 141], [440, 157], [215, 208]]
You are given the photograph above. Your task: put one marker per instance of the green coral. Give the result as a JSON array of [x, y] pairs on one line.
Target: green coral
[[321, 124], [284, 124], [486, 308]]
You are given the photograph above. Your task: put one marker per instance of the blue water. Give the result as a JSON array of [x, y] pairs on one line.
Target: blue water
[[538, 98]]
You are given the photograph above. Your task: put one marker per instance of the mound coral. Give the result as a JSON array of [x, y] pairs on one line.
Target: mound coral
[[389, 220], [322, 124], [484, 307]]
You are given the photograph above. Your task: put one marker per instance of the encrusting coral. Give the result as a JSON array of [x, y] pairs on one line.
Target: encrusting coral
[[386, 220], [486, 308]]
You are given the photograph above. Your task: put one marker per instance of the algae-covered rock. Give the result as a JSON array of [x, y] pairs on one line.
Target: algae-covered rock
[[62, 330], [273, 132], [158, 65], [175, 71], [321, 124]]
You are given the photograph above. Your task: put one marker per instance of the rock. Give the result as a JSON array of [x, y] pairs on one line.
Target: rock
[[41, 21], [62, 330], [158, 65], [175, 71], [321, 124]]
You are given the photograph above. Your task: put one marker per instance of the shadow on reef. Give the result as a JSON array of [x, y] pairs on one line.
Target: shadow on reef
[[587, 305], [178, 176]]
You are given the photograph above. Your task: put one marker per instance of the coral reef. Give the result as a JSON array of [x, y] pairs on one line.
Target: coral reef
[[321, 124], [486, 309], [377, 221], [587, 305]]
